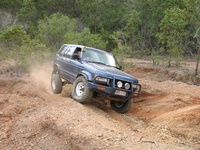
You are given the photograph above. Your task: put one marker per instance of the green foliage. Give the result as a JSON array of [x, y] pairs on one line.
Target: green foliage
[[85, 38], [131, 29], [12, 5], [175, 54], [12, 39], [58, 29], [17, 45], [14, 36], [52, 29], [172, 32], [67, 7], [120, 38], [115, 12], [25, 14], [146, 25], [129, 65], [34, 53], [90, 12], [172, 26], [155, 57]]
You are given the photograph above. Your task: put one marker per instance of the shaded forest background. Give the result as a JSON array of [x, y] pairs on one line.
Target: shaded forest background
[[166, 31]]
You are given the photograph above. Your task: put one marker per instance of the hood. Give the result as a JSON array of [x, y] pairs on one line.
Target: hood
[[109, 71]]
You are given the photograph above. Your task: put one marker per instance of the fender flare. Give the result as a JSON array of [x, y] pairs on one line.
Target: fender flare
[[86, 74]]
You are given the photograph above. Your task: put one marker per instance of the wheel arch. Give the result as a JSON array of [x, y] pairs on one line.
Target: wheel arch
[[55, 69], [86, 74]]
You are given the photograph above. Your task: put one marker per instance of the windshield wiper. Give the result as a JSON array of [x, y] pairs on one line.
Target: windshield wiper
[[111, 66], [96, 62]]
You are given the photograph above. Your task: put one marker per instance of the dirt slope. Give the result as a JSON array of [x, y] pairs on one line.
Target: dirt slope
[[166, 116]]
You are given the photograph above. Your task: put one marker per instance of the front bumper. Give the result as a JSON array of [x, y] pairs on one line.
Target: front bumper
[[115, 93]]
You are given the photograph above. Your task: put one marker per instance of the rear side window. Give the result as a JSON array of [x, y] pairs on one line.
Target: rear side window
[[68, 53], [63, 50]]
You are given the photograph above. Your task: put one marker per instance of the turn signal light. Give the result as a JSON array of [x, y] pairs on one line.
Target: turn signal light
[[135, 94], [101, 88]]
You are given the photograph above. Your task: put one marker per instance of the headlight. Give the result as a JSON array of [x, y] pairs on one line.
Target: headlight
[[102, 79], [127, 86], [136, 88], [119, 84]]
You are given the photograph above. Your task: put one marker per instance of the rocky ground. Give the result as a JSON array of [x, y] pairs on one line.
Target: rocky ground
[[166, 116]]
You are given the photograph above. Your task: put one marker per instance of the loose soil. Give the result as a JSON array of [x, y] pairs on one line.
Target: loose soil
[[166, 116]]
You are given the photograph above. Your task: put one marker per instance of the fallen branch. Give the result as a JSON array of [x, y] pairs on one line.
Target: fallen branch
[[148, 141]]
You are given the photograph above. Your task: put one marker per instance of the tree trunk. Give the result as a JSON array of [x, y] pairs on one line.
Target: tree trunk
[[198, 57], [197, 66]]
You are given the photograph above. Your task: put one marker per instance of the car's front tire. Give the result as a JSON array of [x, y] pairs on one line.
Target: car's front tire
[[81, 91], [121, 107], [56, 83]]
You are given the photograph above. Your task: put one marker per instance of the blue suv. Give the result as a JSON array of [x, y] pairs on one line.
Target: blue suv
[[95, 75]]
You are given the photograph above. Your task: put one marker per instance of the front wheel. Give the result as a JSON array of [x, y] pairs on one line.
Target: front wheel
[[121, 107], [81, 91]]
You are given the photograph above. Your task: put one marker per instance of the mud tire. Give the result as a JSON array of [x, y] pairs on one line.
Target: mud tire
[[81, 91], [121, 107], [56, 83]]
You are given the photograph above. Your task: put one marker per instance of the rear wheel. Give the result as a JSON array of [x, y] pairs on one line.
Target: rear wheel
[[81, 91], [56, 83], [121, 107]]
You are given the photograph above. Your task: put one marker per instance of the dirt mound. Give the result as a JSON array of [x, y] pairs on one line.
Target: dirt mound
[[183, 73], [166, 116]]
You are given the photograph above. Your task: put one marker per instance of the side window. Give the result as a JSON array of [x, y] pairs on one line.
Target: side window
[[77, 54], [63, 50], [66, 51], [69, 52]]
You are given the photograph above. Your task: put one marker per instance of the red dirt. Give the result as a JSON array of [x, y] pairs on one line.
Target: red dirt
[[166, 116]]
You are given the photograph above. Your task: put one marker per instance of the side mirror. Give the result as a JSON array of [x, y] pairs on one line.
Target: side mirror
[[120, 67]]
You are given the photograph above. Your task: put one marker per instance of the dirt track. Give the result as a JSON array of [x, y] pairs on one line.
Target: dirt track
[[166, 116]]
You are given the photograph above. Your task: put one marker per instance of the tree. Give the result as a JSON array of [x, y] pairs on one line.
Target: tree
[[131, 29], [85, 37], [120, 38], [25, 14], [58, 29], [12, 39], [143, 21], [193, 7], [197, 36], [17, 45], [172, 32], [90, 11], [52, 29], [11, 5]]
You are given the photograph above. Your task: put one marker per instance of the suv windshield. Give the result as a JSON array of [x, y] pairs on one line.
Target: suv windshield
[[100, 57]]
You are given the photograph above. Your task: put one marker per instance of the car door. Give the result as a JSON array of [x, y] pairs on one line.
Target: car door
[[66, 64], [75, 65], [62, 60]]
